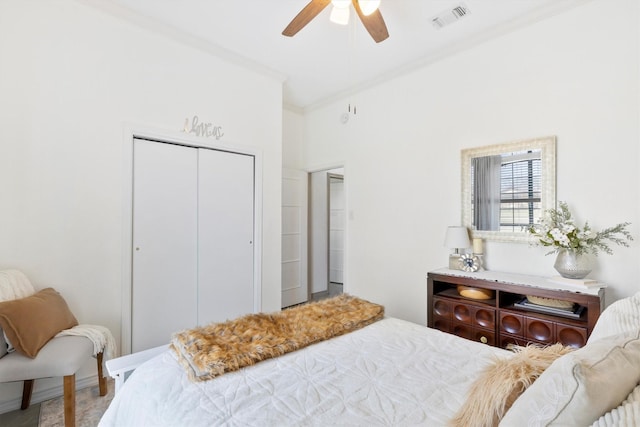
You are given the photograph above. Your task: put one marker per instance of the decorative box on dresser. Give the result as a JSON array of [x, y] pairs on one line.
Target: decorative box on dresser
[[502, 320]]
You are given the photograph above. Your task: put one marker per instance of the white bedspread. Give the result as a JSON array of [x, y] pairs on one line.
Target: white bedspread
[[389, 373]]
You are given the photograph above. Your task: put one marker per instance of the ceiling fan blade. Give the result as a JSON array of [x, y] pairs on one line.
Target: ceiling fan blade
[[305, 16], [374, 23]]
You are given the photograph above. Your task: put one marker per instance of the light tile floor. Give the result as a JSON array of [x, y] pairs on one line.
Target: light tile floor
[[334, 289], [18, 418], [89, 409]]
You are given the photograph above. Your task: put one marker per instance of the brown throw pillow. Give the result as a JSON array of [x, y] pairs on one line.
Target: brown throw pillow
[[500, 384], [32, 321]]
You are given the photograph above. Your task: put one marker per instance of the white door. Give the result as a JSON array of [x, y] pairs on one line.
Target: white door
[[164, 242], [295, 288], [193, 239], [226, 235]]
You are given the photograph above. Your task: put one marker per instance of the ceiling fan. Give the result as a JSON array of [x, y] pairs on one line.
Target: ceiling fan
[[367, 11]]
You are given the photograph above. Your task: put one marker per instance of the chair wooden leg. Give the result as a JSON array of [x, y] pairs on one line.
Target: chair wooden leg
[[102, 381], [27, 388], [70, 401]]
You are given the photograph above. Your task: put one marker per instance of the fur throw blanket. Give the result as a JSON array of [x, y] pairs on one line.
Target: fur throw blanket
[[209, 351], [500, 384]]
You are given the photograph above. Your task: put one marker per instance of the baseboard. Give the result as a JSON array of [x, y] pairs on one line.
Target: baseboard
[[47, 394]]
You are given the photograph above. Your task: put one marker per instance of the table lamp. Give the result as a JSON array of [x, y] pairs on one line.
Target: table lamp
[[457, 238]]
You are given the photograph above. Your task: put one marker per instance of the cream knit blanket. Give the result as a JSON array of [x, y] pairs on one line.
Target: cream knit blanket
[[14, 284], [101, 337]]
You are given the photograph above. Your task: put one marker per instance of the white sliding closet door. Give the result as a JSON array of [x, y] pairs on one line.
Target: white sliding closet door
[[225, 255], [193, 239], [165, 231]]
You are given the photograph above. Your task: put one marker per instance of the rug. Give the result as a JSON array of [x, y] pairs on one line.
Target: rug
[[90, 407], [209, 351]]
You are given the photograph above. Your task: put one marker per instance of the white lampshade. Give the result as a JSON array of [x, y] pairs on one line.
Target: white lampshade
[[457, 237], [341, 4], [339, 15], [369, 6]]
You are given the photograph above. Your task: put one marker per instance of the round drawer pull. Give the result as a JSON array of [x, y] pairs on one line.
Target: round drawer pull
[[484, 340]]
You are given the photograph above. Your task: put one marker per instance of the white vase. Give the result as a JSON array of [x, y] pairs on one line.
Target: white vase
[[573, 266]]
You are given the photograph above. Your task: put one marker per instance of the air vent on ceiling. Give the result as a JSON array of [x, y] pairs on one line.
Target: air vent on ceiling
[[450, 15]]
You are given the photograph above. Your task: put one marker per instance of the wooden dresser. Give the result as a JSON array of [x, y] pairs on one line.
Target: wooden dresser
[[505, 319]]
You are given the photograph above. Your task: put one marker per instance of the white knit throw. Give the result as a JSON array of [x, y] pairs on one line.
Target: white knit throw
[[100, 336], [14, 284]]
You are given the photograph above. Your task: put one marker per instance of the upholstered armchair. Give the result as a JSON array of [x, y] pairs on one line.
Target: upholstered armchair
[[40, 338]]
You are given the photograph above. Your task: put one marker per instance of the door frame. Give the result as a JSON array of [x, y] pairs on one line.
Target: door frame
[[340, 177], [132, 132], [348, 217]]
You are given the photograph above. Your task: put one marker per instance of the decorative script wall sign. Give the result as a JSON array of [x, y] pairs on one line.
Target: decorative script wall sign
[[202, 129]]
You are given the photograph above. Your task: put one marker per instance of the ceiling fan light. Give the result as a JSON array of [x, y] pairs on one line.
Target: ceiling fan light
[[368, 6], [340, 4], [339, 15]]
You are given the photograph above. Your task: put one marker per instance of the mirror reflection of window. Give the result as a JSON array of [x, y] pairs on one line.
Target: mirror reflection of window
[[486, 191], [527, 187], [506, 191]]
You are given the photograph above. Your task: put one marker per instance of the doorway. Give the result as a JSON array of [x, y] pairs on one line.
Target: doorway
[[326, 233], [336, 233]]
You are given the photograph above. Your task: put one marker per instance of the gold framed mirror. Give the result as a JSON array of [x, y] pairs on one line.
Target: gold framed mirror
[[507, 187]]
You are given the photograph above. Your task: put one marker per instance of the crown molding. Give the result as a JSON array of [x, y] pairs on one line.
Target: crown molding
[[175, 34]]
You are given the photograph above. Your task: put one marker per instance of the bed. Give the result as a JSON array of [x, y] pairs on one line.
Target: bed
[[393, 372]]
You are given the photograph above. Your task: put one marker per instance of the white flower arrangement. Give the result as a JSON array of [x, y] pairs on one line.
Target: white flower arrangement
[[557, 230]]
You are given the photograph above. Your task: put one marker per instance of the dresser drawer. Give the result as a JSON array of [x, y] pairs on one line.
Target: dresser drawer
[[540, 330], [512, 323], [442, 308], [506, 340], [442, 324], [572, 336], [484, 317], [461, 313], [484, 336], [462, 330]]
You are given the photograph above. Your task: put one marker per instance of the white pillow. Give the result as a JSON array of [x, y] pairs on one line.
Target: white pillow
[[627, 414], [621, 316], [581, 386]]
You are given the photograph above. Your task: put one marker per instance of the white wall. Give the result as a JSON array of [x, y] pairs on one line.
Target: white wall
[[292, 139], [575, 75], [72, 78]]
